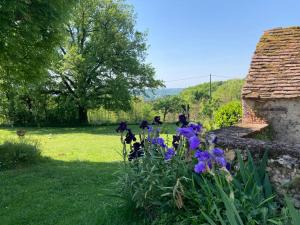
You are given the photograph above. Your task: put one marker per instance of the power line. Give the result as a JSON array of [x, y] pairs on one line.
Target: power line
[[187, 78], [197, 77]]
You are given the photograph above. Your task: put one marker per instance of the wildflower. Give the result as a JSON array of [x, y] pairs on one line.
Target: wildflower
[[129, 137], [182, 120], [217, 152], [169, 153], [221, 161], [202, 155], [200, 167], [136, 152], [186, 132], [194, 142], [157, 121], [144, 124], [175, 141], [159, 141], [122, 127], [196, 127]]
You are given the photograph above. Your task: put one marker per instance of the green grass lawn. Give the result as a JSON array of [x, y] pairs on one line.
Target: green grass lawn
[[74, 187]]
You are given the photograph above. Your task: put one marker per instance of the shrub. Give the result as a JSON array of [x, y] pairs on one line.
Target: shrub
[[228, 114], [18, 153], [187, 181]]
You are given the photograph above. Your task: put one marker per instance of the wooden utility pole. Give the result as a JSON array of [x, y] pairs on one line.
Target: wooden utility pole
[[209, 86]]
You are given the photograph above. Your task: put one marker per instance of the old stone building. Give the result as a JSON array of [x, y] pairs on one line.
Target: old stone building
[[271, 93]]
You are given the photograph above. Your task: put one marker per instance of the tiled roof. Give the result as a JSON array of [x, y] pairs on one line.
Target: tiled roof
[[275, 67]]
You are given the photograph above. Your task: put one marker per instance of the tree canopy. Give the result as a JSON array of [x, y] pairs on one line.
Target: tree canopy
[[30, 31], [102, 62]]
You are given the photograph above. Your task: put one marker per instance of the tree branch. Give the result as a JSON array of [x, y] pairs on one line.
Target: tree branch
[[63, 50], [71, 32]]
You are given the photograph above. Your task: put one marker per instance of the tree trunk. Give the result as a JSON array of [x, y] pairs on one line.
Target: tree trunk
[[165, 114], [82, 113]]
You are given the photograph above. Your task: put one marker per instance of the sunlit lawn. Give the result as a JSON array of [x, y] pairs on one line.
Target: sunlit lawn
[[74, 186]]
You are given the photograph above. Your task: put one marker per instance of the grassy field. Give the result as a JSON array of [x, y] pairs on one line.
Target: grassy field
[[74, 187]]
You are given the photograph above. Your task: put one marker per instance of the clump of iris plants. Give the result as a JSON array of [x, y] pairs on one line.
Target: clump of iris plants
[[185, 177], [185, 144]]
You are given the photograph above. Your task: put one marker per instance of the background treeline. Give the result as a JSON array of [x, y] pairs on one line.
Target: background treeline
[[202, 108], [84, 62]]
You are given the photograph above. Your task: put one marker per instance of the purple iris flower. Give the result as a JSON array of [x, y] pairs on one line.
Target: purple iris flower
[[122, 127], [196, 127], [136, 152], [182, 120], [169, 154], [129, 137], [159, 141], [156, 120], [221, 161], [144, 124], [202, 155], [217, 152], [197, 153], [200, 167], [194, 142], [175, 141], [186, 132]]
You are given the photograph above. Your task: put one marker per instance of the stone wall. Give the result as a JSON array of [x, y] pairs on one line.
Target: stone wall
[[284, 158], [282, 114]]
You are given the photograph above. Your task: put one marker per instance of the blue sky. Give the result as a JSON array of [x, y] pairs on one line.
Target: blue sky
[[189, 39]]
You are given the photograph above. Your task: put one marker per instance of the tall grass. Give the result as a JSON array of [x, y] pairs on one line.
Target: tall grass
[[15, 153]]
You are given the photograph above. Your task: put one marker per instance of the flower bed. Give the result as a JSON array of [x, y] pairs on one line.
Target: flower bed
[[187, 180]]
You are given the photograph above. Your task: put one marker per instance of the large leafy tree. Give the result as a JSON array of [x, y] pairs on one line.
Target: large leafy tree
[[102, 62], [29, 34]]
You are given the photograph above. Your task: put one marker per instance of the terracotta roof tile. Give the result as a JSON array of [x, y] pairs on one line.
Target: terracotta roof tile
[[275, 67]]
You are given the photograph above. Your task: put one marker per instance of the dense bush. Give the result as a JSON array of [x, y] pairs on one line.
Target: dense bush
[[228, 114], [18, 153], [191, 182]]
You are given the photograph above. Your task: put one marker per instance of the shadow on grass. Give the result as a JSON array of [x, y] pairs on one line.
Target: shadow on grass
[[101, 130], [62, 193]]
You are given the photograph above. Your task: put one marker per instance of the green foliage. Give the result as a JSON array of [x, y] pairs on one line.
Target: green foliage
[[139, 110], [228, 114], [29, 34], [229, 91], [203, 107], [18, 153], [293, 214], [266, 134], [169, 104], [199, 92]]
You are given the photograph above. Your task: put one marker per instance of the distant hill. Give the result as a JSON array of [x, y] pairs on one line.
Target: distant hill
[[161, 93], [224, 91]]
